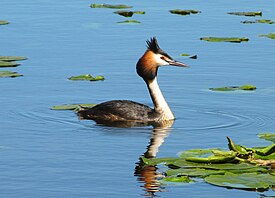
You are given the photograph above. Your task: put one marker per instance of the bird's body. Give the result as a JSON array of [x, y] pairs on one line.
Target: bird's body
[[126, 110]]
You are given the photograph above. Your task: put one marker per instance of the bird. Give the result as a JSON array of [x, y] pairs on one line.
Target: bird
[[129, 111]]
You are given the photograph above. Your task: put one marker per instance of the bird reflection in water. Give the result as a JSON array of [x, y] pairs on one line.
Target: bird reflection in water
[[148, 175]]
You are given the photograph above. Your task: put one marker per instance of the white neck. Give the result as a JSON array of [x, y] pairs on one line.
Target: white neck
[[159, 101]]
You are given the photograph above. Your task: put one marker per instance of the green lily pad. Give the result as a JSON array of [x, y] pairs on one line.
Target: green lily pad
[[270, 35], [119, 6], [87, 77], [225, 39], [234, 88], [185, 54], [184, 12], [193, 172], [182, 179], [259, 21], [124, 13], [259, 13], [267, 136], [155, 161], [139, 12], [9, 74], [243, 181], [129, 21], [74, 107], [2, 22], [8, 64], [12, 58]]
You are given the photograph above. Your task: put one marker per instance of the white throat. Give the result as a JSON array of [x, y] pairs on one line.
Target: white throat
[[159, 101]]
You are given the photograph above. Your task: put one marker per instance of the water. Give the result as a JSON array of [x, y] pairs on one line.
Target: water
[[47, 153]]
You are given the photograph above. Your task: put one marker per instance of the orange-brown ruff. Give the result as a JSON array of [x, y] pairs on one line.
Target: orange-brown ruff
[[126, 110]]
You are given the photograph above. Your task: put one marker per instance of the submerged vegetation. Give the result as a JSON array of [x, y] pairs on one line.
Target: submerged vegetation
[[252, 14], [87, 77], [240, 167], [9, 74], [225, 39], [246, 87], [184, 12]]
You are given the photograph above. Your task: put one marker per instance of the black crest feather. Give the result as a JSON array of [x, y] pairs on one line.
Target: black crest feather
[[153, 45]]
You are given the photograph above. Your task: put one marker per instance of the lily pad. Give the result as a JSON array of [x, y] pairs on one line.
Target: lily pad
[[2, 22], [270, 35], [139, 12], [182, 179], [8, 64], [129, 21], [243, 181], [259, 21], [74, 107], [125, 13], [267, 136], [225, 39], [184, 12], [247, 87], [259, 13], [119, 6], [12, 58], [87, 77], [9, 74], [193, 172]]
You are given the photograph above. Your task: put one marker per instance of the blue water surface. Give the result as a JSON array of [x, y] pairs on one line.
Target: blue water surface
[[46, 153]]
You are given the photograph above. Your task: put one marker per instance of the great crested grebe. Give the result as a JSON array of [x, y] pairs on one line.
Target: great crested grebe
[[126, 110]]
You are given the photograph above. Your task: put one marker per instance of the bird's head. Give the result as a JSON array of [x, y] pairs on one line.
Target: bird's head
[[154, 57]]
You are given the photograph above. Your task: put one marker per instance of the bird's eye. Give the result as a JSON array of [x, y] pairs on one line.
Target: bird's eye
[[162, 57]]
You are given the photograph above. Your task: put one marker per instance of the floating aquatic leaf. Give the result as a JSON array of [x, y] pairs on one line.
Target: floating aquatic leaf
[[246, 13], [2, 22], [125, 13], [225, 39], [74, 107], [119, 6], [234, 88], [242, 181], [6, 74], [213, 159], [87, 77], [8, 64], [267, 136], [193, 57], [193, 172], [260, 21], [12, 58], [184, 12], [185, 54], [270, 35], [183, 179], [139, 12], [155, 161], [129, 21]]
